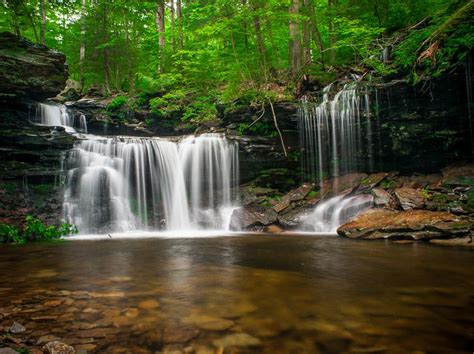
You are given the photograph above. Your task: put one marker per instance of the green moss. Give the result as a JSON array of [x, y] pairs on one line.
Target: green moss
[[386, 184], [440, 198], [459, 181], [470, 201], [8, 187], [43, 188]]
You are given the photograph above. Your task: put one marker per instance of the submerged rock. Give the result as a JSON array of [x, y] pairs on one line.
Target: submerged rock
[[17, 328], [181, 334], [414, 224], [8, 351], [237, 340], [57, 347]]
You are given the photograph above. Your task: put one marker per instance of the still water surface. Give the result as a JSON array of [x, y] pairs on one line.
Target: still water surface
[[246, 294]]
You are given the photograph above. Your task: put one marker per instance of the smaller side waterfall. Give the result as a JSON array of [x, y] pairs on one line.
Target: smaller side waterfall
[[57, 115], [336, 211], [336, 135], [336, 140]]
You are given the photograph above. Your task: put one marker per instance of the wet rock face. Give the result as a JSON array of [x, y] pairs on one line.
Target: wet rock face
[[415, 224], [410, 198], [250, 216], [28, 70], [432, 207], [423, 127]]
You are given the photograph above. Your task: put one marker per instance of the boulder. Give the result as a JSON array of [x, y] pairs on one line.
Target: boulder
[[72, 92], [347, 182], [382, 198], [412, 224], [252, 215], [410, 198], [458, 176], [28, 70], [293, 196]]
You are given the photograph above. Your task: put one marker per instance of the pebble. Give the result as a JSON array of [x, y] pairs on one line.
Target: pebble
[[237, 340], [149, 304], [181, 334], [52, 303], [17, 328], [47, 339], [57, 347], [209, 323], [8, 351]]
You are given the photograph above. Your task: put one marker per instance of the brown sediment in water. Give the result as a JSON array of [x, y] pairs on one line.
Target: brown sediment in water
[[246, 294]]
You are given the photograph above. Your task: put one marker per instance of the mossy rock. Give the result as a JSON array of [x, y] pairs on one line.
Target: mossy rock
[[278, 178]]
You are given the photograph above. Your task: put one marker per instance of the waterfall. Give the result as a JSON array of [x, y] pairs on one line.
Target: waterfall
[[336, 139], [124, 184], [333, 212], [57, 115], [335, 134]]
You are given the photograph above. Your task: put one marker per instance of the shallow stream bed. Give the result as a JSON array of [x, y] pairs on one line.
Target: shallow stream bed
[[247, 294]]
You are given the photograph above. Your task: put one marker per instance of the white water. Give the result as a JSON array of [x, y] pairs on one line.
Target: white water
[[57, 115], [334, 212], [333, 133], [336, 139], [124, 184]]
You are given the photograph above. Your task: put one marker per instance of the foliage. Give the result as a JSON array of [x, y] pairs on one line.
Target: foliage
[[34, 230], [42, 188], [117, 103], [9, 234], [232, 51], [443, 43], [258, 128]]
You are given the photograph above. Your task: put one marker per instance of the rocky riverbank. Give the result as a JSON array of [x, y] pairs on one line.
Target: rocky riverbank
[[438, 208]]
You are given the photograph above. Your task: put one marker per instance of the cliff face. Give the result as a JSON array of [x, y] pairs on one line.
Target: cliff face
[[30, 155], [28, 70]]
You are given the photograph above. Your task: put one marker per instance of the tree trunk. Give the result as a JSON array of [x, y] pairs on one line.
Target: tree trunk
[[315, 31], [179, 18], [332, 35], [294, 41], [260, 44], [306, 33], [129, 57], [172, 15], [30, 18], [246, 37], [160, 26], [43, 21], [106, 52], [82, 50]]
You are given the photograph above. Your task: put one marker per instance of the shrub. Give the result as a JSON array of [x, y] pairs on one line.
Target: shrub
[[117, 103], [9, 234], [34, 230]]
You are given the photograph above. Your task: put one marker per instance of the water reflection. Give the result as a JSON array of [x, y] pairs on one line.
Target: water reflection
[[250, 294]]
